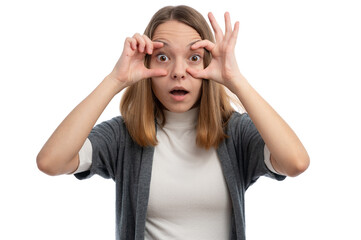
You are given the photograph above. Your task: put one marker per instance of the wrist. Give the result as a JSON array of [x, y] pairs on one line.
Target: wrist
[[114, 84], [236, 83], [245, 94]]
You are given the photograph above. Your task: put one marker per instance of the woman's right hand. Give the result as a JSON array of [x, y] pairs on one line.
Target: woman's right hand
[[59, 154], [130, 67]]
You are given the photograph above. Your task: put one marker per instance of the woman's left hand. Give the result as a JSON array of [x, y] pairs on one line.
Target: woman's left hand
[[223, 67], [291, 160]]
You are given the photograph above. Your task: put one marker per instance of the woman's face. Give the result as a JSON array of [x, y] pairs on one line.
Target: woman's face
[[178, 91]]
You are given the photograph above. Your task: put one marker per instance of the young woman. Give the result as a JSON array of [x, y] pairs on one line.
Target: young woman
[[181, 157]]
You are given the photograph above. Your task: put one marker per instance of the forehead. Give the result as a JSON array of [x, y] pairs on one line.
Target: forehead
[[175, 31]]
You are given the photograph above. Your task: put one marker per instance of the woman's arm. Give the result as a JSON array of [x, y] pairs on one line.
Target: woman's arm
[[288, 155], [59, 155]]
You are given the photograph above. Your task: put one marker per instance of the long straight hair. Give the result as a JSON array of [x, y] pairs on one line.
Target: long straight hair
[[140, 108]]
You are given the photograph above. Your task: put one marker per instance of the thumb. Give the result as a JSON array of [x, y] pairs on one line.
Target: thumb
[[197, 73], [148, 73]]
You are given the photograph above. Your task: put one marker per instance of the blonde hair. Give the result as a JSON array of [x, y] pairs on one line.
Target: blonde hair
[[140, 108]]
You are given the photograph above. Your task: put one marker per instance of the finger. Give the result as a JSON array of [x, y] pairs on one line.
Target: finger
[[157, 45], [197, 73], [216, 28], [131, 42], [148, 45], [203, 44], [140, 42], [234, 35], [228, 24], [157, 72]]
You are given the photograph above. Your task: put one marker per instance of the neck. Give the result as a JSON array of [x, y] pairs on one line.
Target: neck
[[181, 120]]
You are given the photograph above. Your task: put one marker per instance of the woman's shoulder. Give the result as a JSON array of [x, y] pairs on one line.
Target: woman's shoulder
[[117, 120], [115, 125], [238, 118], [240, 123]]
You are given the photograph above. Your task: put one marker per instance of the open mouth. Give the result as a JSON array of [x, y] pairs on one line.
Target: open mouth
[[179, 92]]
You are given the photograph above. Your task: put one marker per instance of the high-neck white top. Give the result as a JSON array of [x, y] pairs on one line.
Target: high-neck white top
[[188, 198]]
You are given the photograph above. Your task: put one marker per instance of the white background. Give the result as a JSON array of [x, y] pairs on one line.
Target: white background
[[304, 57]]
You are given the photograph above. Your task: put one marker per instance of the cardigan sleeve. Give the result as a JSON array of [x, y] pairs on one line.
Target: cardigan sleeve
[[105, 139], [249, 151]]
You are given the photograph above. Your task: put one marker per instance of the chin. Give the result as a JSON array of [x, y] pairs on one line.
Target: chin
[[178, 109], [181, 107]]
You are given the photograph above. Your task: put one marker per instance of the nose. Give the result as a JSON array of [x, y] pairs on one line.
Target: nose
[[179, 71], [177, 76]]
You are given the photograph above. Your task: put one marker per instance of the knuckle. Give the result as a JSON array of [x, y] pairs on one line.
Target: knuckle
[[136, 35], [145, 37]]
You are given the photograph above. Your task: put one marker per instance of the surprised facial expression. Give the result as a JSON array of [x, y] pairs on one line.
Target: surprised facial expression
[[178, 91]]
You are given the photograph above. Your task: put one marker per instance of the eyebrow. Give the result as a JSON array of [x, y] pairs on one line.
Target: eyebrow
[[167, 45]]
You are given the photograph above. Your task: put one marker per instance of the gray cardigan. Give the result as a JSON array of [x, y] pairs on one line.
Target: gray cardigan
[[117, 156]]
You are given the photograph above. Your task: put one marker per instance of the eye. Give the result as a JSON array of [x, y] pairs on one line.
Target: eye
[[162, 58], [195, 58]]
